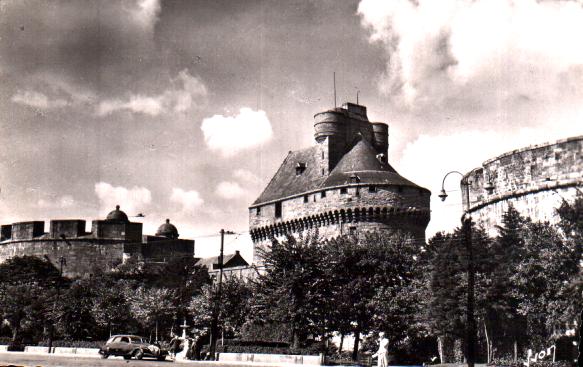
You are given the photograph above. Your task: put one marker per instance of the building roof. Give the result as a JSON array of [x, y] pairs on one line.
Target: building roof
[[117, 216], [285, 182], [361, 165], [229, 261], [167, 230], [361, 161]]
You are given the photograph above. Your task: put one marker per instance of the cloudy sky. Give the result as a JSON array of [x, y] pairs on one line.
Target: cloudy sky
[[185, 109]]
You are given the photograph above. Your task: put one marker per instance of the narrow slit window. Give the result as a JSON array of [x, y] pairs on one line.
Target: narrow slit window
[[305, 198], [323, 194], [278, 210]]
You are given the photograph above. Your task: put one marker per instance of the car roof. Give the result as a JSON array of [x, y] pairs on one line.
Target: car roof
[[129, 335]]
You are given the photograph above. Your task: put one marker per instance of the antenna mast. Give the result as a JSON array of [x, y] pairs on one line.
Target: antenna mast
[[334, 89]]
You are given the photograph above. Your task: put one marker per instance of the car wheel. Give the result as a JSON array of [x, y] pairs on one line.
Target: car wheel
[[138, 354], [127, 357], [104, 356]]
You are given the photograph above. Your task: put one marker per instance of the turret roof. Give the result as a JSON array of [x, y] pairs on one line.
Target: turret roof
[[360, 162]]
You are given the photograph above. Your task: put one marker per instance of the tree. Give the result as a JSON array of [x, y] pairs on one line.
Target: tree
[[372, 281], [292, 291], [28, 287], [233, 305], [152, 307], [73, 312]]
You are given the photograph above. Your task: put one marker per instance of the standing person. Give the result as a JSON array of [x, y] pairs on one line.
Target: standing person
[[383, 352]]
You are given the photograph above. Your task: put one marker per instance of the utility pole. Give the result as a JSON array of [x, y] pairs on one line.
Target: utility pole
[[215, 321]]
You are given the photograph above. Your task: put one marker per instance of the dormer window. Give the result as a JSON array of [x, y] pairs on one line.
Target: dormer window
[[300, 168], [354, 179]]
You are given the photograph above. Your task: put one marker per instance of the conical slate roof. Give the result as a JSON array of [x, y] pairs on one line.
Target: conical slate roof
[[361, 165]]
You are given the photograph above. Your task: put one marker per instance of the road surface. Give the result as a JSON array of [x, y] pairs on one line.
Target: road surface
[[34, 360]]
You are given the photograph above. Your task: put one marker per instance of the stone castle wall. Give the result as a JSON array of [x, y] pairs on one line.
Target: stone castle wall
[[534, 179], [387, 208], [82, 257]]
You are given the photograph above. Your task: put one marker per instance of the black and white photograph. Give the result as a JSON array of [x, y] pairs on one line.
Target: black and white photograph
[[291, 182]]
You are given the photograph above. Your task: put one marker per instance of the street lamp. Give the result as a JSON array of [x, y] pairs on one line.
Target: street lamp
[[467, 236], [215, 321]]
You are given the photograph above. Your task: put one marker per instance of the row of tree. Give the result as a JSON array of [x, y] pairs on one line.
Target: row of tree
[[527, 285]]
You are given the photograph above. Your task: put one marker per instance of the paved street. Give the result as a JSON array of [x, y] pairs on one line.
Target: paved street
[[20, 359]]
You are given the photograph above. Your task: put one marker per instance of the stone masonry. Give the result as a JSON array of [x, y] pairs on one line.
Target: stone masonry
[[342, 185], [534, 180]]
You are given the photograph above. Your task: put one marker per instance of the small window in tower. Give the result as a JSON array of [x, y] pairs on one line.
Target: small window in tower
[[323, 194], [343, 190], [314, 198], [305, 198], [278, 209], [258, 211], [352, 231], [372, 189], [322, 154], [300, 168], [322, 171]]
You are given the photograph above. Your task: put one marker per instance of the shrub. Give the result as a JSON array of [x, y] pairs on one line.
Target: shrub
[[73, 343], [266, 331]]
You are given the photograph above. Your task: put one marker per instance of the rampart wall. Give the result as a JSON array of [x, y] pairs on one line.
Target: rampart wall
[[534, 179], [82, 257]]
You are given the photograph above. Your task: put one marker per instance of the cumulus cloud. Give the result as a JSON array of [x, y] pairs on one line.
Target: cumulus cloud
[[188, 200], [37, 100], [231, 134], [146, 13], [230, 190], [132, 201], [65, 201], [246, 176], [185, 93], [477, 54]]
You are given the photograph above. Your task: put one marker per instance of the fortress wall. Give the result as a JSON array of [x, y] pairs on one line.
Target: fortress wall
[[82, 257], [295, 208], [534, 179]]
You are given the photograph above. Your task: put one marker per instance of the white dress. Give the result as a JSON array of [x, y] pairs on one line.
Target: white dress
[[383, 353]]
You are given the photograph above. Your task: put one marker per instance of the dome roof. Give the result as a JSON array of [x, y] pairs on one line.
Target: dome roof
[[117, 216], [167, 230]]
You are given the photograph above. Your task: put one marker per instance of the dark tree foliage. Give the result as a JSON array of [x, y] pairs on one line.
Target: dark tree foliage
[[502, 321], [293, 289], [372, 281], [233, 306], [28, 287], [446, 264]]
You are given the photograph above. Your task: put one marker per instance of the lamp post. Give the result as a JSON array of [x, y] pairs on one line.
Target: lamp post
[[467, 236], [215, 320]]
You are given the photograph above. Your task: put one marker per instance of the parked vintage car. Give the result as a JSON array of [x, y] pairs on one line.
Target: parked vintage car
[[129, 346]]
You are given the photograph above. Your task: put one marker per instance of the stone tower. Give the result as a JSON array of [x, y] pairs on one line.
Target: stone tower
[[341, 185]]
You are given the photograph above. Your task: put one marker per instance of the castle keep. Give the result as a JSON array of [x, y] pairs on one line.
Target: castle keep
[[110, 243], [342, 185], [534, 180]]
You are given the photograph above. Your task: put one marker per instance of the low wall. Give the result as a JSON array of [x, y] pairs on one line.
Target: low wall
[[87, 352], [271, 358]]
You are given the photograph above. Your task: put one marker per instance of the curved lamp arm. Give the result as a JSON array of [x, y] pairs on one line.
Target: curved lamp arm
[[464, 182]]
